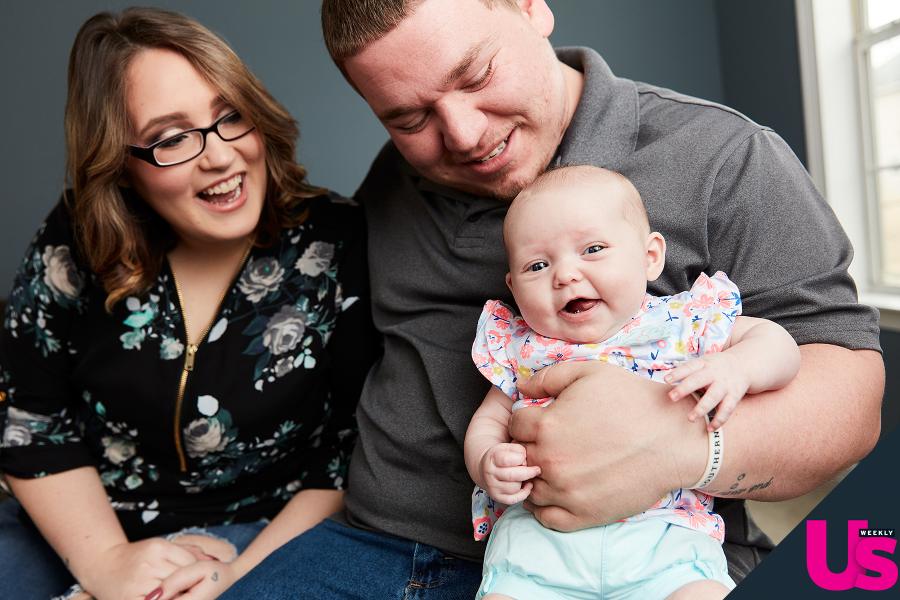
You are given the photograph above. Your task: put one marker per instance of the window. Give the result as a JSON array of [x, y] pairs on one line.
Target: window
[[850, 65], [878, 63]]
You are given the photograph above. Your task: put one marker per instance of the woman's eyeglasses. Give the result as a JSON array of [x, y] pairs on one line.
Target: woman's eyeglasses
[[188, 145]]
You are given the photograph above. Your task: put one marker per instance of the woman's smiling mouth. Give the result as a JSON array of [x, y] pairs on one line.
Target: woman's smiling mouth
[[224, 192]]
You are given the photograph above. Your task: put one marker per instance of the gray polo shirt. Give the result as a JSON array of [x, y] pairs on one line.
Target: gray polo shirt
[[727, 194]]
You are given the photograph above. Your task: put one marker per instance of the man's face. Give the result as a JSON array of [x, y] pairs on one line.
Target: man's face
[[474, 98]]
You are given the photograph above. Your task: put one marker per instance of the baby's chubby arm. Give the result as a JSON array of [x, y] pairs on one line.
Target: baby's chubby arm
[[494, 463], [760, 356]]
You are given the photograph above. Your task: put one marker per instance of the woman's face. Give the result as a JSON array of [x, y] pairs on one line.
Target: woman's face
[[218, 196]]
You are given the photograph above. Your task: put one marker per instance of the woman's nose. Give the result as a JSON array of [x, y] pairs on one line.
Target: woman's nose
[[218, 153]]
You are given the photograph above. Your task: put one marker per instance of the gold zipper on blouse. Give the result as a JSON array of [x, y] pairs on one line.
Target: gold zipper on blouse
[[190, 353]]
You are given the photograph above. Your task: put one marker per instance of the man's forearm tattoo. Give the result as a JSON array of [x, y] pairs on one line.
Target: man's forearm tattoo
[[739, 488], [215, 576]]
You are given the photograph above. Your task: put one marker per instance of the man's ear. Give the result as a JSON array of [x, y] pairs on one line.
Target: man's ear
[[656, 255], [509, 282], [539, 15]]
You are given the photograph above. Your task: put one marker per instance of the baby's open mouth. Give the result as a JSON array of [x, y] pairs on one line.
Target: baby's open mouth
[[579, 305]]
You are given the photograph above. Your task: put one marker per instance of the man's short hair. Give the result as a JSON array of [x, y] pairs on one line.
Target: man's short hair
[[348, 26]]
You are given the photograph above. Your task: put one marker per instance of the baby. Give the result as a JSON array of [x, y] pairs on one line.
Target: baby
[[580, 255]]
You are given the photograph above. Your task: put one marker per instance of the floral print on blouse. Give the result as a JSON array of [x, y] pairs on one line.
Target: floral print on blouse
[[268, 404], [666, 331]]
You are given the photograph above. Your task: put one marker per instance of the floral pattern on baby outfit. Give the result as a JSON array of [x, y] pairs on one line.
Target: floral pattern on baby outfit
[[666, 331]]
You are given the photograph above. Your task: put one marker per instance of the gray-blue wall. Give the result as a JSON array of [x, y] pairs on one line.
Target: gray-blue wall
[[890, 409], [674, 44], [738, 52]]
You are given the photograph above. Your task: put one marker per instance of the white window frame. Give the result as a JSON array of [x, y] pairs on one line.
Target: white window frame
[[865, 39], [836, 115]]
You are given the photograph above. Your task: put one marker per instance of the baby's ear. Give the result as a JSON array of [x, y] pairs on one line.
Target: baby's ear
[[656, 255], [509, 282]]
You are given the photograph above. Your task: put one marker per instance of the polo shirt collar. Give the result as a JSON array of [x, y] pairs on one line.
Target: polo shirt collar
[[604, 128]]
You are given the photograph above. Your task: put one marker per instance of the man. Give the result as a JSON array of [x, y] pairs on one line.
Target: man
[[477, 104]]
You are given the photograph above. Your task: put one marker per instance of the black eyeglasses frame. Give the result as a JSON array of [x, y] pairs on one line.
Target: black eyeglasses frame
[[145, 153]]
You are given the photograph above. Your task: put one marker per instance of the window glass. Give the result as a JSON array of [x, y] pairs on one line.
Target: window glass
[[879, 44], [882, 12], [889, 213]]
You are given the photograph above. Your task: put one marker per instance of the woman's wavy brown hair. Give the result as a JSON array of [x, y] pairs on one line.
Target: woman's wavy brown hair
[[121, 238]]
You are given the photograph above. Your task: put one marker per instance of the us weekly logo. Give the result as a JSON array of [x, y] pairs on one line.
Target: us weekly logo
[[871, 561]]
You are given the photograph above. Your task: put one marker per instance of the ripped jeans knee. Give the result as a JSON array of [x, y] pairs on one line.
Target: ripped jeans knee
[[211, 544]]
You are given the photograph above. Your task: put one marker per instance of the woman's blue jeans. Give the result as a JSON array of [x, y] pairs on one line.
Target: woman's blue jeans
[[333, 560], [29, 568]]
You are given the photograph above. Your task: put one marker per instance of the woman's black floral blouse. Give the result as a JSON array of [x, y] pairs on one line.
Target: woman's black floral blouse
[[267, 407]]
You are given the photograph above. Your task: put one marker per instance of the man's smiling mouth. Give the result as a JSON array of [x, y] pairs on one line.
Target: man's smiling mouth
[[495, 152]]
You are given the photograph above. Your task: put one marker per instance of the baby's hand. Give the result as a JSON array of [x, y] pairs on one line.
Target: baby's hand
[[503, 470], [724, 380]]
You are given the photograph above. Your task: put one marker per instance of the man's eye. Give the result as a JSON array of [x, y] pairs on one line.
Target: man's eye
[[538, 266], [593, 249], [413, 128], [482, 78]]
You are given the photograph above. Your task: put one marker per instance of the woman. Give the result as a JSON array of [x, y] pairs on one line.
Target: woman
[[187, 334]]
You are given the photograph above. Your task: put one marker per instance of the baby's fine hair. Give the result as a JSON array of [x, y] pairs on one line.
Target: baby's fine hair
[[632, 205]]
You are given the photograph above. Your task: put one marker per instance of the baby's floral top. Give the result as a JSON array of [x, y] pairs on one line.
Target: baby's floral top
[[666, 331], [267, 409]]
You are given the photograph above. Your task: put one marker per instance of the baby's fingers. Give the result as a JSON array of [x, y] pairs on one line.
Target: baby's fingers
[[710, 399], [682, 371], [520, 473], [693, 382], [502, 489], [726, 407], [519, 496], [509, 455]]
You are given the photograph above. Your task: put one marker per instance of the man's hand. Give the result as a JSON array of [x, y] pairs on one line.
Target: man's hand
[[505, 474], [609, 447]]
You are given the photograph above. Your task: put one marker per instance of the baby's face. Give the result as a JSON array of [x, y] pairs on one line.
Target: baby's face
[[578, 267]]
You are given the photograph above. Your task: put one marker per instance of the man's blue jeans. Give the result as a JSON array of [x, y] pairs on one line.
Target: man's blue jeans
[[333, 560]]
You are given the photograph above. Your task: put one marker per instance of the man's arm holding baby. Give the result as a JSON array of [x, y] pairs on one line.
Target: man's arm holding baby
[[495, 464], [612, 444]]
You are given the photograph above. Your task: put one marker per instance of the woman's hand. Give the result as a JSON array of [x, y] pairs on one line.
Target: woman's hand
[[129, 570], [204, 580], [209, 579]]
